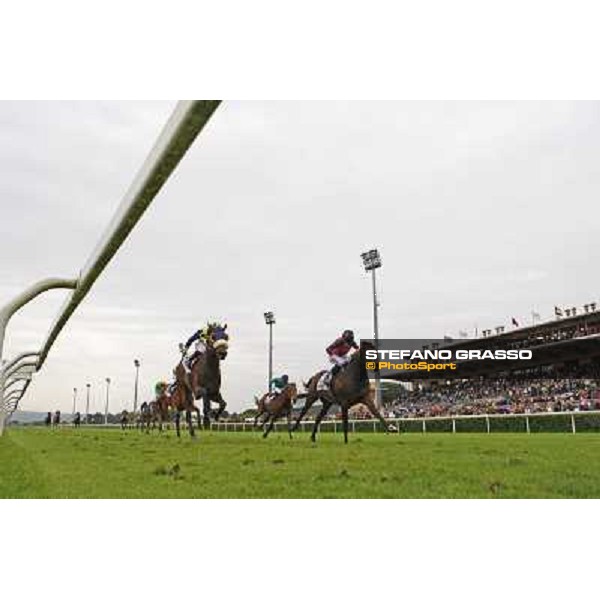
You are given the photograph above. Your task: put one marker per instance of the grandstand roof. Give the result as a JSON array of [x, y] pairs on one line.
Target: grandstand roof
[[586, 321]]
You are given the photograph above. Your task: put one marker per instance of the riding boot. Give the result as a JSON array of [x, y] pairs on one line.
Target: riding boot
[[189, 361]]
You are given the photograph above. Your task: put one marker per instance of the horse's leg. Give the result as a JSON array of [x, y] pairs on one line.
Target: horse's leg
[[345, 421], [265, 419], [326, 406], [177, 419], [222, 405], [307, 405], [188, 418], [289, 422], [368, 402], [206, 411], [268, 429], [197, 410], [258, 414]]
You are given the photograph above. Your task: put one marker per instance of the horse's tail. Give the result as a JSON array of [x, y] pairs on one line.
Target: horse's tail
[[313, 380]]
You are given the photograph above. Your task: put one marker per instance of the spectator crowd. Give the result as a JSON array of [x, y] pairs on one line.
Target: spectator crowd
[[574, 389]]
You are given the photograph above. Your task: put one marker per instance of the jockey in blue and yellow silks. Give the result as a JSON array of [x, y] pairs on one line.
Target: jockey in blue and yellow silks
[[201, 338], [212, 334]]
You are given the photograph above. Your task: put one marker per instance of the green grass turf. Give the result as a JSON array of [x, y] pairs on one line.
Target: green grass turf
[[66, 463]]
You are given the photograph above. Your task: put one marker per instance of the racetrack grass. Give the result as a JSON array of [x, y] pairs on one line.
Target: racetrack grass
[[99, 463]]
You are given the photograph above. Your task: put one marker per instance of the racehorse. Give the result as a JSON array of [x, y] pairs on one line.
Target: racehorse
[[348, 387], [182, 399], [204, 379], [156, 411], [124, 419], [145, 416], [280, 406], [161, 406]]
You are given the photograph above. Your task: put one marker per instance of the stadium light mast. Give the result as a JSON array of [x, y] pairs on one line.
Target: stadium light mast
[[136, 364], [106, 405], [372, 262], [270, 321], [87, 404], [74, 402]]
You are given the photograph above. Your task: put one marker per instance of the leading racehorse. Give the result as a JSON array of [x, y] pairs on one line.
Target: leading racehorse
[[204, 379], [348, 387]]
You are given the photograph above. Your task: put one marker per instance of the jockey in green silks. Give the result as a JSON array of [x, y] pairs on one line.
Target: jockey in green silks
[[277, 385]]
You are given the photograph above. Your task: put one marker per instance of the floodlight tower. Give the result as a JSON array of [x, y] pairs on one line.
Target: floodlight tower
[[270, 321], [74, 402], [136, 364], [87, 404], [106, 405], [372, 262]]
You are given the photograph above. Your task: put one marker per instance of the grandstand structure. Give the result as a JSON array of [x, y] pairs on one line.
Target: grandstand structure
[[564, 344]]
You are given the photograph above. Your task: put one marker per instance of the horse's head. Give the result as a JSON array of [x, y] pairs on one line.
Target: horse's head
[[292, 391], [218, 338], [364, 345]]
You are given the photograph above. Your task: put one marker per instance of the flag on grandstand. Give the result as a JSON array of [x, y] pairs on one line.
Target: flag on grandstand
[[558, 311], [463, 334], [514, 322], [535, 315]]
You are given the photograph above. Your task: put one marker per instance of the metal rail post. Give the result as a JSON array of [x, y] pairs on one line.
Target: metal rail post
[[8, 373], [17, 359], [9, 383], [9, 309]]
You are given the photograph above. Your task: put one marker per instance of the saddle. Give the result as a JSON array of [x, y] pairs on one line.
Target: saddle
[[190, 361], [326, 379]]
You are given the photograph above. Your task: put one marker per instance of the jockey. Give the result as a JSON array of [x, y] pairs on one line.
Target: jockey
[[277, 385], [339, 352], [159, 388], [201, 338]]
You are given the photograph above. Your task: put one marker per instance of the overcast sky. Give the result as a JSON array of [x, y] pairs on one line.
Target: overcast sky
[[481, 211]]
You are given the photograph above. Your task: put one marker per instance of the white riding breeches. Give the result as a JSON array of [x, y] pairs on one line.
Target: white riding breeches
[[339, 360]]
